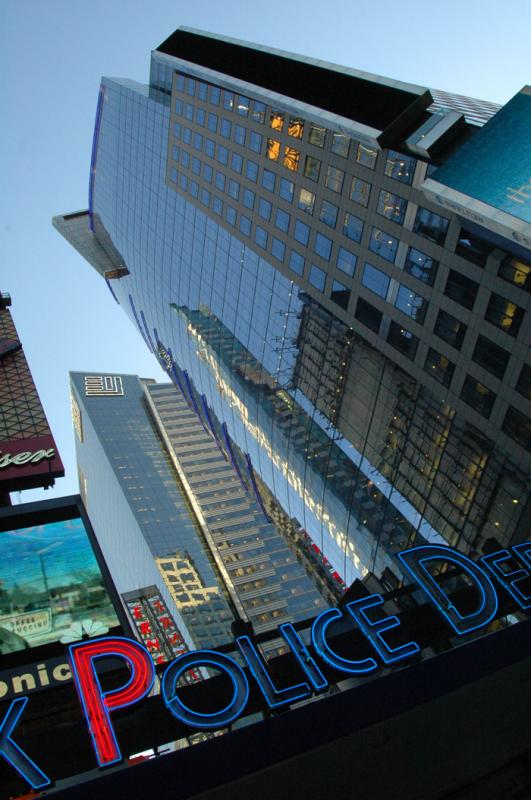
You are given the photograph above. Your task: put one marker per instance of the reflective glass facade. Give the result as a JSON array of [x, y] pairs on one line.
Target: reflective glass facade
[[307, 287]]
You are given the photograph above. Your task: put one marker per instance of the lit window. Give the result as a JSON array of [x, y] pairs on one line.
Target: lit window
[[400, 167], [276, 119], [273, 149], [391, 206], [291, 158], [296, 127], [366, 155], [306, 201]]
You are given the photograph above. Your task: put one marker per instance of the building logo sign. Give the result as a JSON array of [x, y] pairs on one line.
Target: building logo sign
[[509, 569], [28, 462], [103, 386]]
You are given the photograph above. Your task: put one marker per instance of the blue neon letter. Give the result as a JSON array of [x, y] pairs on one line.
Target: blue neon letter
[[414, 561], [301, 653], [13, 754], [511, 578], [274, 697], [373, 630], [327, 654], [205, 658]]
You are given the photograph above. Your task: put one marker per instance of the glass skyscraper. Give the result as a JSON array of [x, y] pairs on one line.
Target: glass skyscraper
[[299, 251]]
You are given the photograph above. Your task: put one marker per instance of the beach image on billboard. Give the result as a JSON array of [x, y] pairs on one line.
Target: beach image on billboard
[[51, 587]]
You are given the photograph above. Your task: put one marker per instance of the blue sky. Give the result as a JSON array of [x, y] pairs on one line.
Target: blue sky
[[53, 54]]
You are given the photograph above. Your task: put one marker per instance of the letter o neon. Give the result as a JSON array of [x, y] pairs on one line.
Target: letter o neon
[[205, 658]]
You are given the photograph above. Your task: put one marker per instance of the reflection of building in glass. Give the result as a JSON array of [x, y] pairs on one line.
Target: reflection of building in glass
[[174, 518], [364, 346]]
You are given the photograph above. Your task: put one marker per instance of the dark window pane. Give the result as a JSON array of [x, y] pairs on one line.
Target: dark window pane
[[328, 214], [461, 289], [264, 208], [353, 227], [334, 179], [340, 294], [312, 167], [504, 314], [366, 155], [282, 220], [421, 266], [278, 249], [296, 262], [439, 367], [450, 329], [524, 382], [402, 340], [490, 356], [258, 113], [340, 144], [240, 134], [248, 198], [368, 315], [302, 232], [477, 396], [286, 189], [251, 171], [215, 93], [225, 128], [260, 237], [245, 225], [430, 225], [346, 261], [516, 272], [255, 141], [473, 248], [323, 246], [268, 180], [518, 427], [317, 135]]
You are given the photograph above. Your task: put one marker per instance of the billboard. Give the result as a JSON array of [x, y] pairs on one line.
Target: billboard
[[488, 179], [51, 587]]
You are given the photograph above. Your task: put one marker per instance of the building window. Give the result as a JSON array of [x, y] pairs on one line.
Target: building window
[[258, 113], [450, 329], [360, 192], [190, 87], [268, 180], [240, 134], [212, 122], [296, 127], [473, 248], [264, 208], [375, 280], [236, 162], [340, 294], [205, 197], [518, 427], [504, 314], [306, 201], [178, 107], [202, 90], [233, 189], [312, 168], [228, 100], [215, 94], [421, 266], [323, 246], [187, 135], [223, 155], [225, 129], [260, 237], [353, 227], [368, 315], [302, 232], [220, 181], [282, 220], [230, 215], [217, 206], [317, 277], [334, 179], [346, 261], [189, 111], [524, 382], [317, 135], [328, 214], [207, 173], [185, 159], [248, 199], [340, 144], [245, 225], [477, 396], [296, 262], [391, 206], [198, 141], [194, 188], [384, 244], [251, 171], [411, 304], [273, 149], [200, 117], [291, 158], [402, 340], [516, 272], [255, 141], [276, 119], [461, 289], [278, 249], [431, 226], [366, 155], [491, 357], [210, 148], [242, 106], [439, 367], [400, 167], [286, 190]]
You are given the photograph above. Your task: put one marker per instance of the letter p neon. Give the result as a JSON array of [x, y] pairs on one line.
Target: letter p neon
[[98, 704]]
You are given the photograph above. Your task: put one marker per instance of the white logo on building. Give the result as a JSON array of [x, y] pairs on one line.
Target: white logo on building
[[103, 386]]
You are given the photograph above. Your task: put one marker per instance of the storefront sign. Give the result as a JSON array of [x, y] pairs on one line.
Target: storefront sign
[[509, 569], [24, 462]]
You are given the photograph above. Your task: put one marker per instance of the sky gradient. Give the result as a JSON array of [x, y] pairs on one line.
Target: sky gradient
[[53, 55]]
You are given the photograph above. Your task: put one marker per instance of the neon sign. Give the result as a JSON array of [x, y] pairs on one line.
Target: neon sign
[[510, 568], [26, 457]]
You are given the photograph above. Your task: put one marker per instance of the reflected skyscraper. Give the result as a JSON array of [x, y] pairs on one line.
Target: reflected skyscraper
[[336, 266]]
